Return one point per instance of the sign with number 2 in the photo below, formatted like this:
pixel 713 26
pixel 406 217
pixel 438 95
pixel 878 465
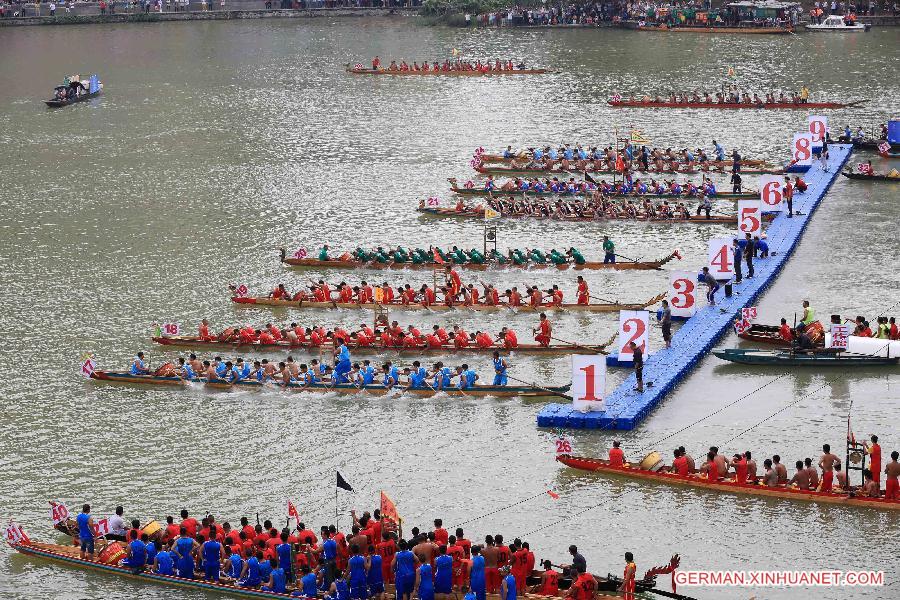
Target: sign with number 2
pixel 634 326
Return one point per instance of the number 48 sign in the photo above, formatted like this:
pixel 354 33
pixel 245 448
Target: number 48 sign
pixel 588 381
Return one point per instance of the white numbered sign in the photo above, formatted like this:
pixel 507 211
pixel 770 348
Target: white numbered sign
pixel 300 254
pixel 588 381
pixel 433 201
pixel 749 217
pixel 58 513
pixel 683 293
pixel 171 329
pixel 721 259
pixel 801 149
pixel 771 192
pixel 563 446
pixel 634 326
pixel 741 325
pixel 749 313
pixel 101 528
pixel 818 126
pixel 15 534
pixel 87 368
pixel 240 291
pixel 840 336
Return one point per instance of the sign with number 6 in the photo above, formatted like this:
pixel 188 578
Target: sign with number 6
pixel 683 293
pixel 634 326
pixel 588 381
pixel 771 192
pixel 818 128
pixel 749 217
pixel 721 258
pixel 801 149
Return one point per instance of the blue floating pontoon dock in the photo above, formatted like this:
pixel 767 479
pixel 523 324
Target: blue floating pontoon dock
pixel 625 408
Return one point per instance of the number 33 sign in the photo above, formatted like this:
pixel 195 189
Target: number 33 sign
pixel 588 381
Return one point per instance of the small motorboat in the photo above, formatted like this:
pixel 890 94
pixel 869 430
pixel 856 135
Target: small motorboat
pixel 803 358
pixel 837 23
pixel 74 91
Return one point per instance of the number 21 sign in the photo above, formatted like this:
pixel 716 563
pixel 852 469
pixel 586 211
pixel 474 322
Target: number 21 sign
pixel 588 381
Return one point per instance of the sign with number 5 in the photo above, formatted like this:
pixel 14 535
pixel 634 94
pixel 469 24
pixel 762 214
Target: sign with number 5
pixel 749 217
pixel 771 192
pixel 683 293
pixel 818 127
pixel 801 149
pixel 563 446
pixel 634 326
pixel 588 381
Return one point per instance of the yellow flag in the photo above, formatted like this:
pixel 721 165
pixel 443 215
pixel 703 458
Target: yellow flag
pixel 455 52
pixel 638 137
pixel 731 71
pixel 490 214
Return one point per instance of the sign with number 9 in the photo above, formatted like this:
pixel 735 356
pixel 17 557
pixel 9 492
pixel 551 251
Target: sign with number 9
pixel 818 127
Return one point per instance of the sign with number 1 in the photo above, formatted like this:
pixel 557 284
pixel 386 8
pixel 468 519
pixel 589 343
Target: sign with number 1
pixel 634 326
pixel 588 381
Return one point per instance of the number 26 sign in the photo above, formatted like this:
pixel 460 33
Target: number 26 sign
pixel 588 381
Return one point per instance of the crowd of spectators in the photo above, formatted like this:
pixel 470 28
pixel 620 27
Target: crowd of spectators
pixel 30 8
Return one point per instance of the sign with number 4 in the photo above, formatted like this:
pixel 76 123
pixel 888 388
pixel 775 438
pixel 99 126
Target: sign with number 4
pixel 588 381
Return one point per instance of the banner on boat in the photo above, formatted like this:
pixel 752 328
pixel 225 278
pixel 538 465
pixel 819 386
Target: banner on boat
pixel 101 527
pixel 490 214
pixel 589 382
pixel 563 445
pixel 15 534
pixel 87 366
pixel 683 293
pixel 771 192
pixel 818 128
pixel 721 259
pixel 300 254
pixel 59 512
pixel 802 150
pixel 634 326
pixel 749 217
pixel 240 291
pixel 840 336
pixel 171 329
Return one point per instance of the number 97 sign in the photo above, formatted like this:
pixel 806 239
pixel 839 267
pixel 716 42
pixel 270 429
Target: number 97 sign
pixel 588 382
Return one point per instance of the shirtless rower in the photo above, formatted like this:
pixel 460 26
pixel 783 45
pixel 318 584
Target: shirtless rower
pixel 800 478
pixel 779 468
pixel 827 462
pixel 491 573
pixel 870 486
pixel 891 481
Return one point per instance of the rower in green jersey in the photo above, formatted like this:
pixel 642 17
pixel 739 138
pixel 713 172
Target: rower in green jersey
pixel 517 257
pixel 538 257
pixel 500 258
pixel 476 256
pixel 323 253
pixel 577 257
pixel 400 255
pixel 419 257
pixel 556 258
pixel 361 255
pixel 381 256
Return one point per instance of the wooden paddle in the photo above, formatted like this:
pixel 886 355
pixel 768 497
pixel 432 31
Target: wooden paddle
pixel 588 348
pixel 603 299
pixel 549 391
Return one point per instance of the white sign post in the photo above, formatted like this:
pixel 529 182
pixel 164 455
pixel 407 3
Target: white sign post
pixel 588 382
pixel 801 149
pixel 749 217
pixel 771 193
pixel 171 329
pixel 59 513
pixel 818 128
pixel 721 259
pixel 683 293
pixel 840 336
pixel 563 446
pixel 634 326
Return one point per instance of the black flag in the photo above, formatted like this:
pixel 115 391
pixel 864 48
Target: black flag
pixel 588 178
pixel 342 483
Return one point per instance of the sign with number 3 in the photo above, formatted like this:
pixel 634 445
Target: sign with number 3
pixel 588 381
pixel 683 293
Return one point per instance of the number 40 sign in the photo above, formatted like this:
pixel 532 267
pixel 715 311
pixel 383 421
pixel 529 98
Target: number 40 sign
pixel 588 382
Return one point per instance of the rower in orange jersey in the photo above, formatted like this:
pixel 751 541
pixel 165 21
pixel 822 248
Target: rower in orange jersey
pixel 408 296
pixel 740 468
pixel 366 293
pixel 274 331
pixel 300 296
pixel 473 294
pixel 345 293
pixel 265 337
pixel 508 338
pixel 460 337
pixel 710 468
pixel 874 459
pixel 491 296
pixel 428 296
pixel 616 456
pixel 366 330
pixel 387 340
pixel 449 298
pixel 318 293
pixel 543 331
pixel 549 585
pixel 203 331
pixel 534 297
pixel 279 293
pixel 628 581
pixel 395 329
pixel 514 297
pixel 556 296
pixel 483 340
pixel 247 335
pixel 415 334
pixel 433 341
pixel 326 290
pixel 387 294
pixel 583 296
pixel 441 334
pixel 316 338
pixel 454 282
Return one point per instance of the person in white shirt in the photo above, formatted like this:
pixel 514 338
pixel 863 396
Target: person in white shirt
pixel 117 526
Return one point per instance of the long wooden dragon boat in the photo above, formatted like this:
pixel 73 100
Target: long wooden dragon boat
pixel 522 155
pixel 540 171
pixel 498 391
pixel 478 213
pixel 191 341
pixel 817 357
pixel 730 105
pixel 872 177
pixel 451 73
pixel 348 262
pixel 594 308
pixel 501 191
pixel 723 29
pixel 844 498
pixel 68 555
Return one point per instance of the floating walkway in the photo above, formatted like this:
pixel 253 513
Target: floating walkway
pixel 697 336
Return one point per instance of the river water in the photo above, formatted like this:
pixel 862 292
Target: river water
pixel 216 143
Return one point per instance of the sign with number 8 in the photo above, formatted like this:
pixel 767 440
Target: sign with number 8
pixel 801 149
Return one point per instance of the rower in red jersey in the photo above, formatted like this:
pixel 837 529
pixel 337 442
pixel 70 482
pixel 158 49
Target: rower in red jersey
pixel 345 293
pixel 544 331
pixel 279 293
pixel 785 331
pixel 519 564
pixel 473 294
pixel 549 585
pixel 455 552
pixel 395 329
pixel 874 452
pixel 616 456
pixel 247 335
pixel 387 294
pixel 503 554
pixel 556 295
pixel 316 338
pixel 415 334
pixel 454 282
pixel 534 297
pixel 300 296
pixel 441 334
pixel 367 331
pixel 491 296
pixel 433 341
pixel 326 290
pixel 301 333
pixel 318 294
pixel 203 331
pixel 740 468
pixel 680 465
pixel 483 339
pixel 408 296
pixel 274 331
pixel 449 298
pixel 441 537
pixel 387 340
pixel 386 549
pixel 583 295
pixel 627 587
pixel 508 338
pixel 366 293
pixel 514 297
pixel 460 337
pixel 376 63
pixel 463 543
pixel 265 337
pixel 428 296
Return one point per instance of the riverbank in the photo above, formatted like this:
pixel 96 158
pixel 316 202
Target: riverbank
pixel 85 18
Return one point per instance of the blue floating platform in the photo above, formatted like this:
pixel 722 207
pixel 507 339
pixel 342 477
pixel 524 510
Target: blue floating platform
pixel 697 336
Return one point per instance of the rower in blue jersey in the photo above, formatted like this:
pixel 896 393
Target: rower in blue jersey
pixel 265 569
pixel 568 154
pixel 443 572
pixel 211 551
pixel 138 366
pixel 508 153
pixel 641 187
pixel 692 190
pixel 442 376
pixel 688 155
pixel 137 553
pixel 425 583
pixel 368 373
pixel 500 367
pixel 524 185
pixel 308 583
pixel 250 577
pixel 540 186
pixel 277 581
pixel 152 551
pixel 283 551
pixel 720 151
pixel 710 188
pixel 508 586
pixel 164 564
pixel 582 155
pixel 184 548
pixel 489 184
pixel 357 578
pixel 598 154
pixel 219 366
pixel 404 567
pixel 235 565
pixel 417 376
pixel 340 590
pixel 467 377
pixel 676 189
pixel 375 577
pixel 243 368
pixel 342 363
pixel 184 369
pixel 538 154
pixel 477 574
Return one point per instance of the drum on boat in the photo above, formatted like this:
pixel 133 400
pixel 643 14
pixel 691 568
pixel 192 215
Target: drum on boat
pixel 153 530
pixel 652 462
pixel 165 370
pixel 112 553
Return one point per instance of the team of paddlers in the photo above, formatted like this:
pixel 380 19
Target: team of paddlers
pixel 630 186
pixel 449 65
pixel 456 256
pixel 597 207
pixel 731 97
pixel 742 468
pixel 355 565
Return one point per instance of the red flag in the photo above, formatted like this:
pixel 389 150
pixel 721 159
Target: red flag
pixel 389 511
pixel 553 494
pixel 292 511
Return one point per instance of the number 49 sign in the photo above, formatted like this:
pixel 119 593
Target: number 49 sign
pixel 588 382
